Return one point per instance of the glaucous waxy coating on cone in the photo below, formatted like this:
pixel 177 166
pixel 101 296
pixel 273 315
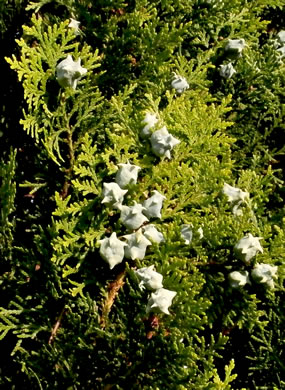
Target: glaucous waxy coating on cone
pixel 281 51
pixel 186 233
pixel 234 47
pixel 237 209
pixel 113 194
pixel 152 233
pixel 150 120
pixel 132 216
pixel 179 83
pixel 227 71
pixel 238 278
pixel 281 37
pixel 149 278
pixel 162 142
pixel 264 273
pixel 68 72
pixel 153 205
pixel 75 25
pixel 136 245
pixel 247 247
pixel 127 174
pixel 234 194
pixel 112 250
pixel 200 232
pixel 160 300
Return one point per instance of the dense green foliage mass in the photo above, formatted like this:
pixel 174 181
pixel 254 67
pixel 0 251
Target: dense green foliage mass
pixel 69 320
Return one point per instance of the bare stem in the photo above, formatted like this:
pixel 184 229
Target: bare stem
pixel 114 288
pixel 56 326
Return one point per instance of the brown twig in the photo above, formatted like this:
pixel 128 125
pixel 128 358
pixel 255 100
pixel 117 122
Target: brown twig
pixel 56 326
pixel 65 189
pixel 114 288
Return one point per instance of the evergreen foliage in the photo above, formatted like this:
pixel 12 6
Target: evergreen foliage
pixel 7 196
pixel 66 319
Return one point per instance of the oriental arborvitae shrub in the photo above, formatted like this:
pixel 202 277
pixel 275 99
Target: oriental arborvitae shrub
pixel 127 107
